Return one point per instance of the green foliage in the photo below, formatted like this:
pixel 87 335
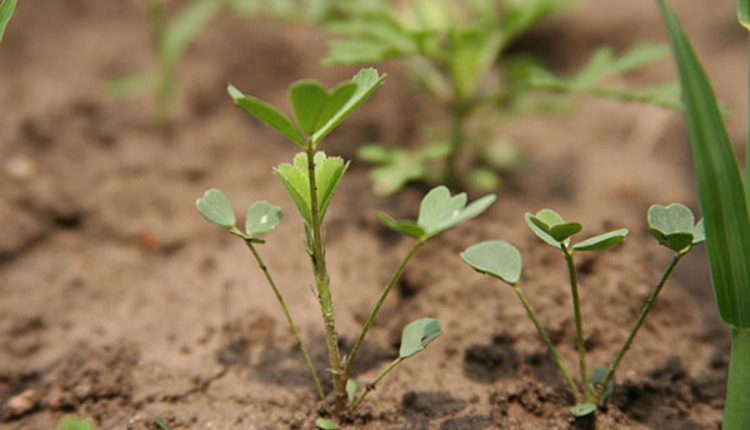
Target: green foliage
pixel 69 423
pixel 438 212
pixel 162 425
pixel 311 180
pixel 417 335
pixel 328 173
pixel 457 53
pixel 495 258
pixel 316 111
pixel 7 7
pixel 502 260
pixel 324 424
pixel 724 203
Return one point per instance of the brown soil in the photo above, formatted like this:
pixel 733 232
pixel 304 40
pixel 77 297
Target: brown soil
pixel 120 303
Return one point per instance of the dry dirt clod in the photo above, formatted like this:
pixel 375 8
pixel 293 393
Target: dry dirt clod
pixel 21 404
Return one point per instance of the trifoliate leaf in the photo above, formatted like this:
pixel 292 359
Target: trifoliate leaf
pixel 417 335
pixel 216 208
pixel 496 258
pixel 549 226
pixel 268 114
pixel 439 211
pixel 674 226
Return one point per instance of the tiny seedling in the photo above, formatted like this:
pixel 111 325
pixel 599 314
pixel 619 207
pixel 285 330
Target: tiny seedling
pixel 171 40
pixel 311 180
pixel 673 227
pixel 457 52
pixel 7 7
pixel 724 203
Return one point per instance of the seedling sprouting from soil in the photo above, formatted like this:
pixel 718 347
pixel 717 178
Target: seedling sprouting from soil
pixel 673 227
pixel 311 180
pixel 457 52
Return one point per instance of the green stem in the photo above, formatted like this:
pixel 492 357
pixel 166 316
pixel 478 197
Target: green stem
pixel 323 284
pixel 457 115
pixel 737 406
pixel 371 386
pixel 302 348
pixel 579 322
pixel 376 309
pixel 550 346
pixel 646 309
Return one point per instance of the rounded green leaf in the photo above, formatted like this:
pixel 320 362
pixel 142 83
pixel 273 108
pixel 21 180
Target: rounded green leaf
pixel 602 241
pixel 308 100
pixel 674 226
pixel 262 217
pixel 215 207
pixel 583 409
pixel 417 335
pixel 496 258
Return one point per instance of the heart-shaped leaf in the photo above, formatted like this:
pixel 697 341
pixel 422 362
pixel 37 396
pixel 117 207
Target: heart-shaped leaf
pixel 602 241
pixel 295 178
pixel 262 217
pixel 674 226
pixel 549 226
pixel 496 258
pixel 366 81
pixel 582 409
pixel 268 114
pixel 417 335
pixel 407 227
pixel 553 225
pixel 216 208
pixel 439 211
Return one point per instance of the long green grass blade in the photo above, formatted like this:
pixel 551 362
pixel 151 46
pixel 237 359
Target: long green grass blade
pixel 720 189
pixel 6 11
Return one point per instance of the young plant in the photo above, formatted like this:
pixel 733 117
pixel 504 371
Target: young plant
pixel 457 52
pixel 724 203
pixel 673 227
pixel 311 180
pixel 171 40
pixel 6 12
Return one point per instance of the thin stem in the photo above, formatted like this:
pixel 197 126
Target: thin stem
pixel 737 406
pixel 323 283
pixel 376 309
pixel 646 309
pixel 579 321
pixel 457 137
pixel 302 348
pixel 550 346
pixel 371 386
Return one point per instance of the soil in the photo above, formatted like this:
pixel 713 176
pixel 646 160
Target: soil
pixel 120 303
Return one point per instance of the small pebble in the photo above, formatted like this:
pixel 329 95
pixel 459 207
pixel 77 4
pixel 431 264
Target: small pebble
pixel 21 403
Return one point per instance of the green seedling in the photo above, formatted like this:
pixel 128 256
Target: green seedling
pixel 724 203
pixel 673 227
pixel 457 52
pixel 311 180
pixel 7 7
pixel 171 40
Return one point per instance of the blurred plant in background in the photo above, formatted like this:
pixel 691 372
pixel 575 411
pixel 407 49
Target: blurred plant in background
pixel 457 53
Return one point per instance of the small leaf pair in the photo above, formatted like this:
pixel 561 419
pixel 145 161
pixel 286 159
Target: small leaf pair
pixel 316 111
pixel 296 180
pixel 674 226
pixel 549 226
pixel 438 212
pixel 262 217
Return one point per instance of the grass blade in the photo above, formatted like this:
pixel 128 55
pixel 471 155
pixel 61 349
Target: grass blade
pixel 6 11
pixel 720 188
